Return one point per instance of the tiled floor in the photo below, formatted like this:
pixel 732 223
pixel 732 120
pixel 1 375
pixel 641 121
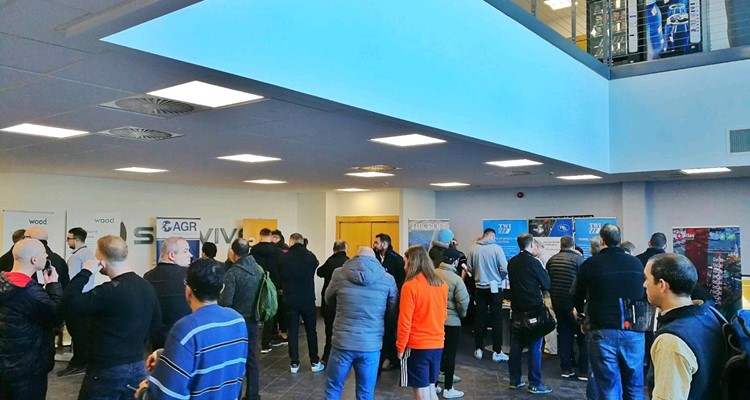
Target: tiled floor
pixel 480 379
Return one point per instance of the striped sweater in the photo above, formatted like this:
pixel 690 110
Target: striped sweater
pixel 204 357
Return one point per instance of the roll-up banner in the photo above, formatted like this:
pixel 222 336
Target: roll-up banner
pixel 53 222
pixel 187 228
pixel 507 230
pixel 421 231
pixel 587 229
pixel 548 231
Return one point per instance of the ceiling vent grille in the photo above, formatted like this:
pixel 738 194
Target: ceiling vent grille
pixel 739 141
pixel 375 168
pixel 141 134
pixel 156 106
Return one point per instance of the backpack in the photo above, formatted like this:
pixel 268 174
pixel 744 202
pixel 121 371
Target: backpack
pixel 735 379
pixel 267 303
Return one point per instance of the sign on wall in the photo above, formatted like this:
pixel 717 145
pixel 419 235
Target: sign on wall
pixel 587 229
pixel 52 222
pixel 507 230
pixel 421 231
pixel 715 252
pixel 188 228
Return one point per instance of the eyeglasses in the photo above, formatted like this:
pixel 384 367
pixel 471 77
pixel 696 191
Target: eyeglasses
pixel 70 238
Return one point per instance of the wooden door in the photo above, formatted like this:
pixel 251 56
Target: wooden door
pixel 361 231
pixel 251 228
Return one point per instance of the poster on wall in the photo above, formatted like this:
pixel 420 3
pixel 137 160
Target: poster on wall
pixel 188 228
pixel 96 224
pixel 586 229
pixel 673 28
pixel 421 230
pixel 549 231
pixel 715 252
pixel 52 222
pixel 507 230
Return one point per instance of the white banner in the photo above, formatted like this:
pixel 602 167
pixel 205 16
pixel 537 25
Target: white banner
pixel 96 224
pixel 53 223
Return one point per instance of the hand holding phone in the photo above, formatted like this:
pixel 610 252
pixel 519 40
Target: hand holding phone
pixel 49 273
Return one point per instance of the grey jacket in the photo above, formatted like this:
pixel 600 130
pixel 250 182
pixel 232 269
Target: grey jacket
pixel 486 261
pixel 364 296
pixel 241 284
pixel 458 296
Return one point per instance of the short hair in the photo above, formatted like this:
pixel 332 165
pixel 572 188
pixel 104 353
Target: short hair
pixel 339 245
pixel 489 230
pixel 209 249
pixel 596 245
pixel 629 247
pixel 78 233
pixel 610 234
pixel 170 245
pixel 567 242
pixel 675 269
pixel 265 232
pixel 384 237
pixel 113 248
pixel 206 279
pixel 524 240
pixel 278 233
pixel 18 235
pixel 295 238
pixel 240 247
pixel 658 239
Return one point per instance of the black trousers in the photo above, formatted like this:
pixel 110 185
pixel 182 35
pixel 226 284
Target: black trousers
pixel 252 372
pixel 494 301
pixel 79 333
pixel 448 359
pixel 273 326
pixel 309 317
pixel 329 314
pixel 26 388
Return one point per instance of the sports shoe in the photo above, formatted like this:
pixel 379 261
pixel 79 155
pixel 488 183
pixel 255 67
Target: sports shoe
pixel 452 393
pixel 517 385
pixel 539 389
pixel 70 371
pixel 265 350
pixel 438 389
pixel 294 368
pixel 441 378
pixel 582 377
pixel 499 357
pixel 317 367
pixel 478 354
pixel 279 342
pixel 568 374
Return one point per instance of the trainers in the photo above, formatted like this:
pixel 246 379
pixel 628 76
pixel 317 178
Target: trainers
pixel 583 377
pixel 265 350
pixel 452 393
pixel 568 374
pixel 539 389
pixel 71 370
pixel 499 357
pixel 441 378
pixel 317 367
pixel 294 368
pixel 478 354
pixel 438 389
pixel 279 342
pixel 517 385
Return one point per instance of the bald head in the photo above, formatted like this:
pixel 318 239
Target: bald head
pixel 37 232
pixel 29 256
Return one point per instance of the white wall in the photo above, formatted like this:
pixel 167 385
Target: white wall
pixel 368 203
pixel 142 202
pixel 415 204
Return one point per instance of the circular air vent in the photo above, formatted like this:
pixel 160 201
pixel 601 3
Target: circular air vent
pixel 154 105
pixel 136 133
pixel 375 168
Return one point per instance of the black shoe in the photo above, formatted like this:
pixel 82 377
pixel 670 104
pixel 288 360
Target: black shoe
pixel 70 371
pixel 279 342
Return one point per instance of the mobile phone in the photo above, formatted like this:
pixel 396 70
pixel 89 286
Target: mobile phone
pixel 47 267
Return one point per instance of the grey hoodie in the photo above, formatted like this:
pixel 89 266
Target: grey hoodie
pixel 486 261
pixel 364 296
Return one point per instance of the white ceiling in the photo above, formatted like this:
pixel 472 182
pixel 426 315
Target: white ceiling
pixel 55 71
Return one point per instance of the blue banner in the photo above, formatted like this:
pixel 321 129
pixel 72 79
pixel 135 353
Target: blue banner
pixel 507 231
pixel 587 229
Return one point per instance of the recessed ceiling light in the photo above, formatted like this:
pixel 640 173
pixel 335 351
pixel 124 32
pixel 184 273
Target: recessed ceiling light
pixel 513 163
pixel 414 139
pixel 579 177
pixel 205 94
pixel 141 170
pixel 353 190
pixel 370 174
pixel 266 182
pixel 41 130
pixel 558 4
pixel 251 158
pixel 691 171
pixel 449 184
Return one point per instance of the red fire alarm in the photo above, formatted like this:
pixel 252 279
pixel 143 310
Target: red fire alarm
pixel 519 195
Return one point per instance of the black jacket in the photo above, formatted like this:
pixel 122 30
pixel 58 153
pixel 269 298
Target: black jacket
pixel 394 265
pixel 168 281
pixel 336 260
pixel 27 317
pixel 59 263
pixel 297 270
pixel 266 254
pixel 527 279
pixel 562 269
pixel 650 252
pixel 6 261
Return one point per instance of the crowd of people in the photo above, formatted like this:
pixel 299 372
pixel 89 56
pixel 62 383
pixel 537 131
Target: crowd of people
pixel 189 327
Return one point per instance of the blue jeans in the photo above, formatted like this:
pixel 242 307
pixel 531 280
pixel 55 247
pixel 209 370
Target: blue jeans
pixel 518 340
pixel 365 372
pixel 616 361
pixel 112 383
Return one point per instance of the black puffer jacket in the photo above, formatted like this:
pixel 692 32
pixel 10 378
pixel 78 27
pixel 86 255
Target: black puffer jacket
pixel 27 316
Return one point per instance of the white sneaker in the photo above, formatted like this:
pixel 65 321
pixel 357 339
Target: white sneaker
pixel 478 354
pixel 317 367
pixel 294 368
pixel 452 393
pixel 499 357
pixel 438 389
